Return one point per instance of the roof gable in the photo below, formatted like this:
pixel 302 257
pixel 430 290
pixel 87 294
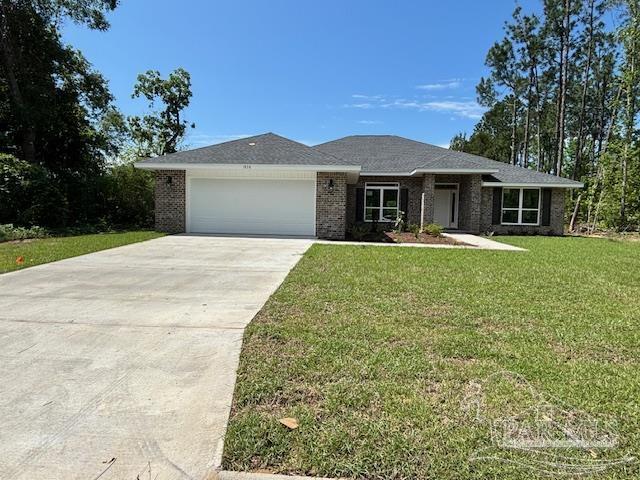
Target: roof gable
pixel 265 149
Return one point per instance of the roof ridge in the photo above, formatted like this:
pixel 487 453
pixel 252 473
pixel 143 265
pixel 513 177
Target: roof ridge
pixel 387 135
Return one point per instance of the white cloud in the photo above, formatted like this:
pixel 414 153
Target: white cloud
pixel 367 97
pixel 467 109
pixel 365 101
pixel 362 106
pixel 443 85
pixel 369 122
pixel 458 106
pixel 443 145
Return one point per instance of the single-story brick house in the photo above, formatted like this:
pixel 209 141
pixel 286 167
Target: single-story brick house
pixel 271 185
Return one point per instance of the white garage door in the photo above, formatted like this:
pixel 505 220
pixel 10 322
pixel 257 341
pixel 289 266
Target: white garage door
pixel 252 206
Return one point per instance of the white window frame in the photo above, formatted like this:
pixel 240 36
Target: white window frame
pixel 382 186
pixel 519 208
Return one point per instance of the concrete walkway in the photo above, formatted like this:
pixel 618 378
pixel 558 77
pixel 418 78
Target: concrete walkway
pixel 470 241
pixel 482 243
pixel 123 361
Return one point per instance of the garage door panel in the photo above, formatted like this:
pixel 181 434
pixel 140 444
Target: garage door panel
pixel 252 206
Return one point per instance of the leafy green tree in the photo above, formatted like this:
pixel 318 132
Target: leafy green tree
pixel 525 31
pixel 458 142
pixel 30 195
pixel 491 137
pixel 161 131
pixel 45 80
pixel 501 60
pixel 576 113
pixel 56 113
pixel 629 34
pixel 128 193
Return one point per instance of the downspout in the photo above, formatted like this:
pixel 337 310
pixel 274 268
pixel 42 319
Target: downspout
pixel 422 211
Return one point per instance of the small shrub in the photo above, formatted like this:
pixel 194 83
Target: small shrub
pixel 383 227
pixel 8 232
pixel 359 231
pixel 128 196
pixel 399 224
pixel 415 229
pixel 433 229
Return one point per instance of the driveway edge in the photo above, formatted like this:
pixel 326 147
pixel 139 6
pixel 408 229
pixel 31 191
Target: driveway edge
pixel 231 475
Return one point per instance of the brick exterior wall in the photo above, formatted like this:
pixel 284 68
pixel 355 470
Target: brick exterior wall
pixel 335 210
pixel 170 201
pixel 556 226
pixel 331 205
pixel 413 184
pixel 428 188
pixel 469 201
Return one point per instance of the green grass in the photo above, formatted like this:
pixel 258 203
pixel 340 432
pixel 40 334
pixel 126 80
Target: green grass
pixel 377 352
pixel 36 252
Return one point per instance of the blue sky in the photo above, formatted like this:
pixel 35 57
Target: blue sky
pixel 309 70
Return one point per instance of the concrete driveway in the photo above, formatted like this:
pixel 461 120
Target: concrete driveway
pixel 123 361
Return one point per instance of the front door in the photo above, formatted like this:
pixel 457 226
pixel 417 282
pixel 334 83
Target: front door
pixel 445 211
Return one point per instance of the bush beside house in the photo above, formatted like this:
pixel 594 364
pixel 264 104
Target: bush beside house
pixel 31 196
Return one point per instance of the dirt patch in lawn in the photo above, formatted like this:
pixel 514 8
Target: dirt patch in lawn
pixel 21 241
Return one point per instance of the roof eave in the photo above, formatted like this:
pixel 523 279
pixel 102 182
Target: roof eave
pixel 434 171
pixel 533 184
pixel 247 166
pixel 459 171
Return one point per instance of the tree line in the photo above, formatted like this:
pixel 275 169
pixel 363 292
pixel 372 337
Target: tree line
pixel 562 98
pixel 66 151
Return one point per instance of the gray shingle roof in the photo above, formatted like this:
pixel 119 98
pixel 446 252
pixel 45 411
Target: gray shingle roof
pixel 265 149
pixel 392 154
pixel 374 153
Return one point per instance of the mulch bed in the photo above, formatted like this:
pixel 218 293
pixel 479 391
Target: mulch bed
pixel 407 237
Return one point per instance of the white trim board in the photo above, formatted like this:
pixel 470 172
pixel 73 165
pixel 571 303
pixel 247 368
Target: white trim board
pixel 248 166
pixel 315 168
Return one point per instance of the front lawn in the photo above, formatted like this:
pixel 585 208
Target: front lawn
pixel 35 252
pixel 398 362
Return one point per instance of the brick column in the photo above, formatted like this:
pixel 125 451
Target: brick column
pixel 428 191
pixel 170 201
pixel 475 202
pixel 557 211
pixel 331 205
